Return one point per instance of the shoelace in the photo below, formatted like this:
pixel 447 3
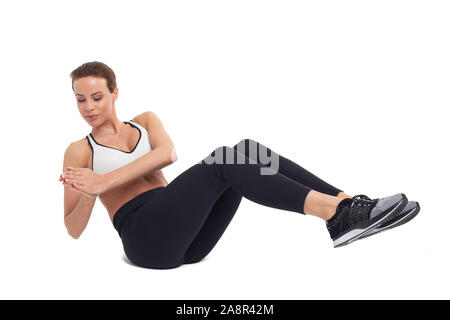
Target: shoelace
pixel 360 209
pixel 362 200
pixel 362 196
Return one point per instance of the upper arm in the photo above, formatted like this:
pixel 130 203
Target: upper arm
pixel 74 156
pixel 157 134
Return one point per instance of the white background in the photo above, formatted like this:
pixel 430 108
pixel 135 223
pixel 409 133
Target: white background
pixel 355 91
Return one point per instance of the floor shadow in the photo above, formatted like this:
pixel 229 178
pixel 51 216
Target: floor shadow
pixel 124 258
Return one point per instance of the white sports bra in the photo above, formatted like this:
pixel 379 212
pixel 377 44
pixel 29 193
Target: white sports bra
pixel 106 159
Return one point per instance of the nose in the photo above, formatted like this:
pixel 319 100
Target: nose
pixel 89 107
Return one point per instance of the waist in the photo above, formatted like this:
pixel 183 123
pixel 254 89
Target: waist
pixel 126 209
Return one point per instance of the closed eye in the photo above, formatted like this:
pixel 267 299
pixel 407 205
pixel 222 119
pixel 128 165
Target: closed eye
pixel 94 100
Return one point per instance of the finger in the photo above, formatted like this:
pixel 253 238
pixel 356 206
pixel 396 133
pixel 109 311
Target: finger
pixel 81 189
pixel 80 186
pixel 72 176
pixel 76 187
pixel 72 187
pixel 70 181
pixel 78 182
pixel 74 172
pixel 72 169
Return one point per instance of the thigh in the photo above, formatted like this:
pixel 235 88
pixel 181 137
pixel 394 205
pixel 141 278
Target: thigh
pixel 215 225
pixel 162 229
pixel 254 150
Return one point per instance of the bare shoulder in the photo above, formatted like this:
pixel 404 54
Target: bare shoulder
pixel 146 118
pixel 157 133
pixel 78 154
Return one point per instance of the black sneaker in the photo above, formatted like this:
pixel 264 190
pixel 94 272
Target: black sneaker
pixel 408 213
pixel 358 215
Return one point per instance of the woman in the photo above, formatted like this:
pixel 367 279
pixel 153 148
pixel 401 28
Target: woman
pixel 163 225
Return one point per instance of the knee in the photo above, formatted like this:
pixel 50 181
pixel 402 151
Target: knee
pixel 244 142
pixel 222 148
pixel 248 147
pixel 221 151
pixel 243 145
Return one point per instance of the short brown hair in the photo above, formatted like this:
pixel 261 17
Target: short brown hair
pixel 96 69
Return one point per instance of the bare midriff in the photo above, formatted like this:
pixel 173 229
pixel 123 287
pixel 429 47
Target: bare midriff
pixel 114 198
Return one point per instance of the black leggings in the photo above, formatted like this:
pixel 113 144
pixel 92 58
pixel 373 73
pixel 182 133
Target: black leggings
pixel 181 223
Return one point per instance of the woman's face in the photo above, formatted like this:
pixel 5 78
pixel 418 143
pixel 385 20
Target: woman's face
pixel 94 99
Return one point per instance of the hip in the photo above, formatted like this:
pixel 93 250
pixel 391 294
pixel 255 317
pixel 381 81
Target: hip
pixel 128 208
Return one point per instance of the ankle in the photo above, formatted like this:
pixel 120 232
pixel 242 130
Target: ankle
pixel 321 205
pixel 329 211
pixel 326 210
pixel 334 208
pixel 343 195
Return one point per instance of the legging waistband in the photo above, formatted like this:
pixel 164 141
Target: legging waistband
pixel 123 212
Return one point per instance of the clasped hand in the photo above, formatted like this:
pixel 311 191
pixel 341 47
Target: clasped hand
pixel 84 180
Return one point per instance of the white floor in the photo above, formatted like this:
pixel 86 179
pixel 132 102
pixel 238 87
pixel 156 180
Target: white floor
pixel 264 254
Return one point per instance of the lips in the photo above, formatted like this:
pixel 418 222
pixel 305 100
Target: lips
pixel 93 117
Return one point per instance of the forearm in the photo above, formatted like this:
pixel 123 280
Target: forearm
pixel 156 159
pixel 77 220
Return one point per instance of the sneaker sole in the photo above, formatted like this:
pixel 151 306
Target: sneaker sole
pixel 408 217
pixel 354 234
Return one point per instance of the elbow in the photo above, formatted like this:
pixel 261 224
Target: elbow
pixel 173 155
pixel 74 235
